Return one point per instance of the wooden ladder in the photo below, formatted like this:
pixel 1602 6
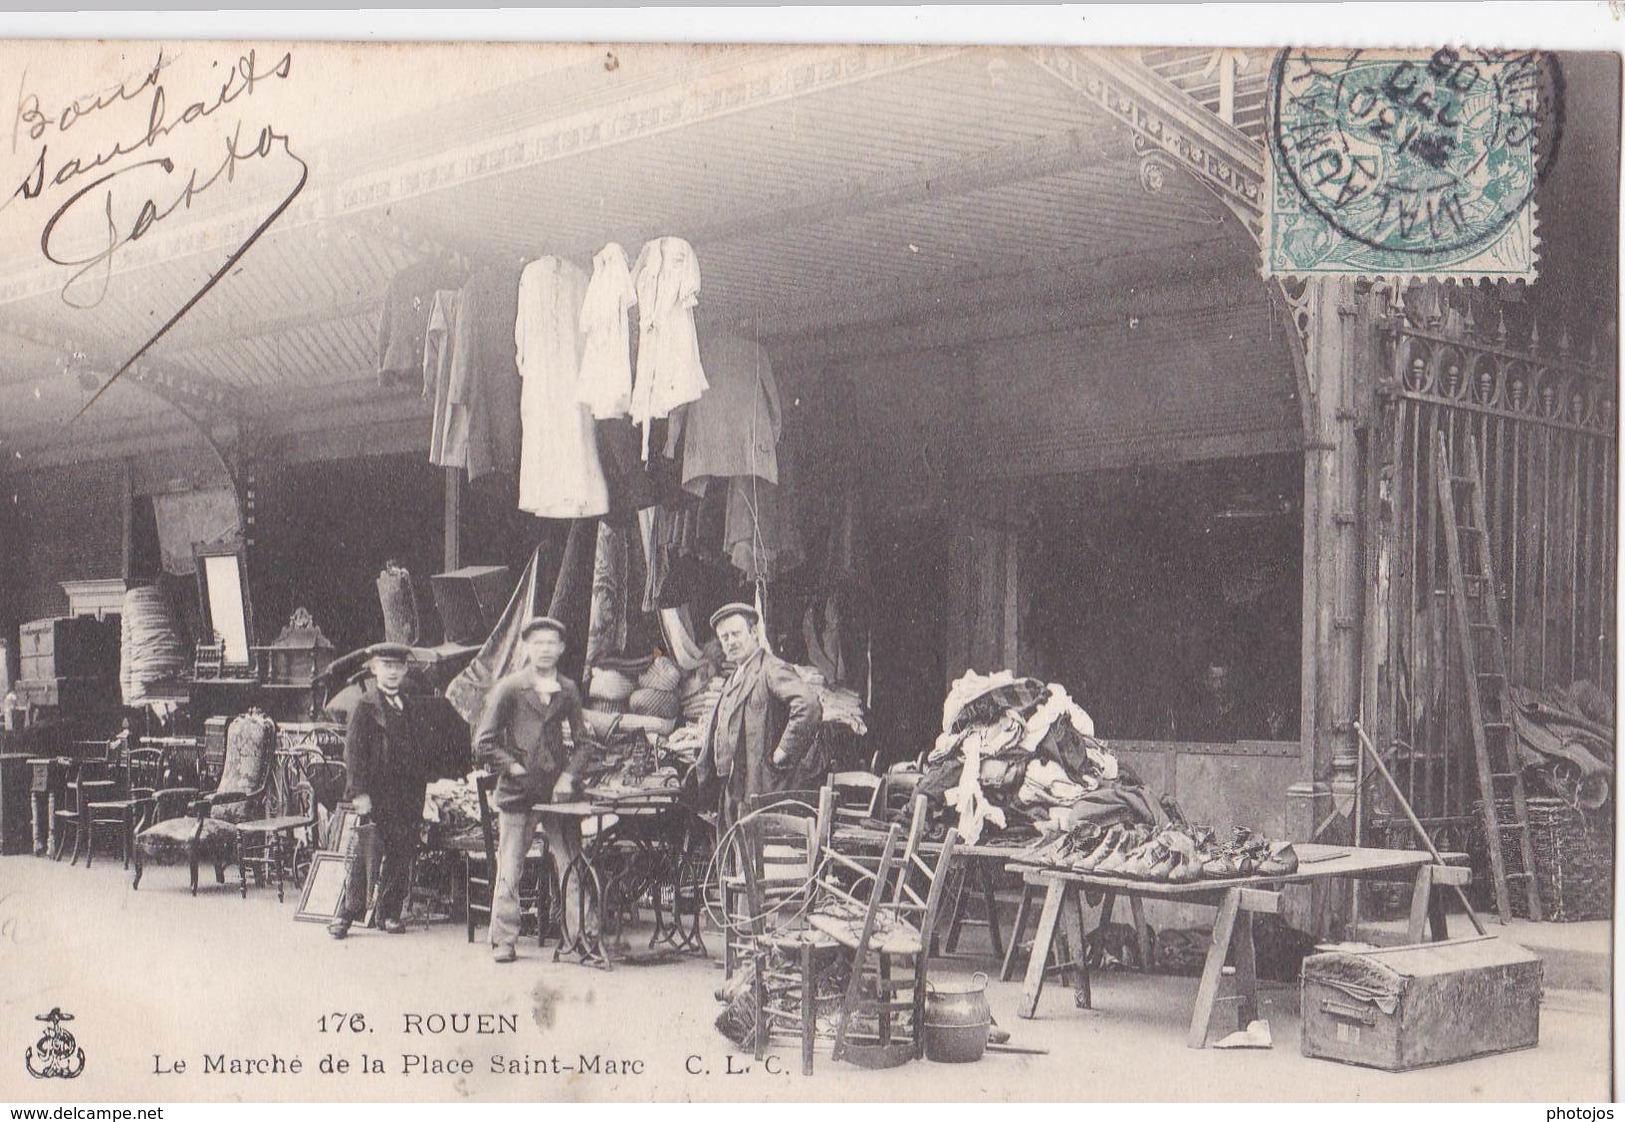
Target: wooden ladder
pixel 1489 701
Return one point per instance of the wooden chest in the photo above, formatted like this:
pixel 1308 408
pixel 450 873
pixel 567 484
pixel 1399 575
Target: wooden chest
pixel 1399 1008
pixel 70 695
pixel 73 647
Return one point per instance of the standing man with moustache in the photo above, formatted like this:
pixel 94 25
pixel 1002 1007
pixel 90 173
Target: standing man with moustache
pixel 764 723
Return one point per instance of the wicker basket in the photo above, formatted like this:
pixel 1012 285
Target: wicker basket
pixel 1574 860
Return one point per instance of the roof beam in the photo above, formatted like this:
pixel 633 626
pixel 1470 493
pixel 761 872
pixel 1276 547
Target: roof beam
pixel 1165 118
pixel 196 395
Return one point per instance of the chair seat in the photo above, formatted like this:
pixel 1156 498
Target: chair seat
pixel 798 934
pixel 272 825
pixel 170 841
pixel 897 937
pixel 116 804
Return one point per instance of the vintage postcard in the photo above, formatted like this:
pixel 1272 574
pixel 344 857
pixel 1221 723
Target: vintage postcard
pixel 832 571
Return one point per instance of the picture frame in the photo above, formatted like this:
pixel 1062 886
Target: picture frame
pixel 325 883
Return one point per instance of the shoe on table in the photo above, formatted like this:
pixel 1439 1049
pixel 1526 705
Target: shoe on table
pixel 339 929
pixel 393 927
pixel 504 953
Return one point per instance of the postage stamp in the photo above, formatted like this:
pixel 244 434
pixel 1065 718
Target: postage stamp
pixel 1408 163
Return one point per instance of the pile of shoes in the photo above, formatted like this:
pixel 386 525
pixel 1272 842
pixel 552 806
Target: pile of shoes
pixel 1173 854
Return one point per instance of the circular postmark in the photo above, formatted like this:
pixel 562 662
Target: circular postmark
pixel 1414 152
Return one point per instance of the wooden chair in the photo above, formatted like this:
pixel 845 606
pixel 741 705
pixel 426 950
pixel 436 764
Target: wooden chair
pixel 144 774
pixel 856 797
pixel 786 947
pixel 209 831
pixel 780 854
pixel 890 950
pixel 896 792
pixel 171 804
pixel 88 782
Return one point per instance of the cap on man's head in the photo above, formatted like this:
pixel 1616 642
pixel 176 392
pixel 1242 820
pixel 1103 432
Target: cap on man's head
pixel 542 623
pixel 394 652
pixel 728 611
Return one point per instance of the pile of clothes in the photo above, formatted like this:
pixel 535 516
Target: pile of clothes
pixel 1174 853
pixel 1017 751
pixel 1566 739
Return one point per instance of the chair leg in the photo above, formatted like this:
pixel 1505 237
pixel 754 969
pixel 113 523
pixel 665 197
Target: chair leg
pixel 193 864
pixel 242 866
pixel 135 884
pixel 759 997
pixel 89 830
pixel 808 1008
pixel 126 834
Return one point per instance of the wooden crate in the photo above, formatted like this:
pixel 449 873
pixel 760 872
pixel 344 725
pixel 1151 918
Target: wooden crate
pixel 70 647
pixel 71 695
pixel 1398 1008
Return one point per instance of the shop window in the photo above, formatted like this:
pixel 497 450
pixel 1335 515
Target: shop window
pixel 1168 599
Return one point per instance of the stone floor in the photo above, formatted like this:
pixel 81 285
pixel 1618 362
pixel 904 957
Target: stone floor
pixel 155 978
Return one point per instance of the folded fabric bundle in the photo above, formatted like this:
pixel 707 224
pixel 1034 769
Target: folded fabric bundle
pixel 609 684
pixel 654 703
pixel 662 674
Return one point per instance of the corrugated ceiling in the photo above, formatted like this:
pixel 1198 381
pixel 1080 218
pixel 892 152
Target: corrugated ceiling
pixel 868 198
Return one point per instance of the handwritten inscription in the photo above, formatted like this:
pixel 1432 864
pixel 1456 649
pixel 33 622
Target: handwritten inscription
pixel 102 174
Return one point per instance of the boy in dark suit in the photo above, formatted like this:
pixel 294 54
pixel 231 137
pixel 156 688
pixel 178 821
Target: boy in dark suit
pixel 388 767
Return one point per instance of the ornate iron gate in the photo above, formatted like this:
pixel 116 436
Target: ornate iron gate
pixel 1545 421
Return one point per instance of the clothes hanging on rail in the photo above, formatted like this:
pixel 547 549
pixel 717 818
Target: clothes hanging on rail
pixel 448 438
pixel 606 351
pixel 485 370
pixel 733 430
pixel 404 319
pixel 559 472
pixel 666 277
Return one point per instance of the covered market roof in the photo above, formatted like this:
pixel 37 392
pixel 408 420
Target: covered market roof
pixel 824 189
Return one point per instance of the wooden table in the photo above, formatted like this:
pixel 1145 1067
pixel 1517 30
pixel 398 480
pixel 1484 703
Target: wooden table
pixel 1237 901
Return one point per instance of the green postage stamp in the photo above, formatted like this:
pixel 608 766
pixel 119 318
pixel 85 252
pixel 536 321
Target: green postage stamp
pixel 1408 163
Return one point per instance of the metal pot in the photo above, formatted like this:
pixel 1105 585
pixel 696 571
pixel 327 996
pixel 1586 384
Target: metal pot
pixel 956 1021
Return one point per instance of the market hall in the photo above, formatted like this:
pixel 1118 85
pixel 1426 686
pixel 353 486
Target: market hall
pixel 951 370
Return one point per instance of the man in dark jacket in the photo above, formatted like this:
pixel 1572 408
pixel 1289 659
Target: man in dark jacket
pixel 521 739
pixel 388 766
pixel 764 723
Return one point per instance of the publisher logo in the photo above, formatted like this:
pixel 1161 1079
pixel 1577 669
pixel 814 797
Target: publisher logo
pixel 55 1055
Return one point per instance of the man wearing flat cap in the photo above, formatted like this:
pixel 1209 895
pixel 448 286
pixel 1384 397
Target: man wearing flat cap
pixel 521 740
pixel 765 720
pixel 388 765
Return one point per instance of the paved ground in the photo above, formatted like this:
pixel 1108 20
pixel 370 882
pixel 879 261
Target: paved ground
pixel 155 978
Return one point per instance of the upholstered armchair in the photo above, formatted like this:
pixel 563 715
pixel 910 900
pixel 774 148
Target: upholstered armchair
pixel 206 830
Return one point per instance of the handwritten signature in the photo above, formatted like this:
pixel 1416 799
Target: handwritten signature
pixel 137 184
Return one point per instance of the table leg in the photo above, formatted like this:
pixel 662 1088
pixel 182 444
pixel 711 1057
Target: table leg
pixel 1438 921
pixel 41 819
pixel 1246 970
pixel 1207 992
pixel 1023 909
pixel 1043 939
pixel 1097 945
pixel 961 900
pixel 988 874
pixel 1072 916
pixel 1142 933
pixel 1421 896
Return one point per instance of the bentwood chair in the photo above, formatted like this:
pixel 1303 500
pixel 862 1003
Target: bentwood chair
pixel 88 782
pixel 144 774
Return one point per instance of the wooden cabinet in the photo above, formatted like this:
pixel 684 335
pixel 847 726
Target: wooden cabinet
pixel 16 810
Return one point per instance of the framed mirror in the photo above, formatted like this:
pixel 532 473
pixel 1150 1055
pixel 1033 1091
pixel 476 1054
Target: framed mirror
pixel 222 578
